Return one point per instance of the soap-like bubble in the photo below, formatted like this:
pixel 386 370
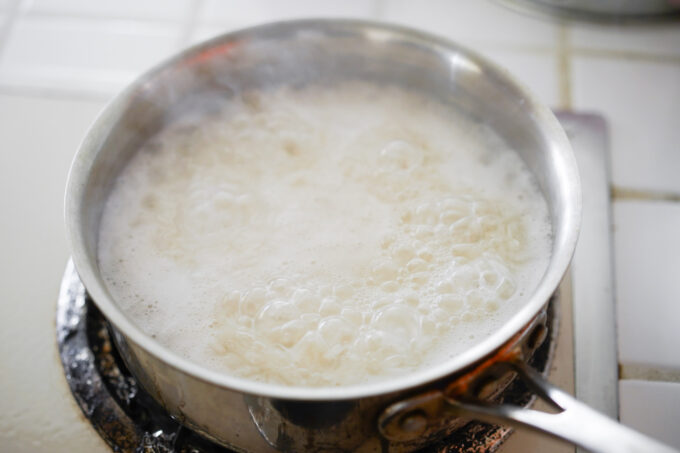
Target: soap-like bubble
pixel 309 237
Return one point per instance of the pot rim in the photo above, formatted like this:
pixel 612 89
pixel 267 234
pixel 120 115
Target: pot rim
pixel 559 262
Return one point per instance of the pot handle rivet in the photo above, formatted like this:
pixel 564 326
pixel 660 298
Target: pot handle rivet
pixel 414 423
pixel 409 419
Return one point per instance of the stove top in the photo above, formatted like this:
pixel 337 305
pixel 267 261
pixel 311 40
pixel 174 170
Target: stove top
pixel 129 420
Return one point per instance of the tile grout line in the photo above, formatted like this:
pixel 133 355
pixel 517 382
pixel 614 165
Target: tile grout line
pixel 55 93
pixel 98 18
pixel 563 57
pixel 626 55
pixel 648 373
pixel 625 193
pixel 190 23
pixel 520 48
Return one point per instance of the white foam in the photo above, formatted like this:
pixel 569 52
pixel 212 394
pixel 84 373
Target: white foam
pixel 323 237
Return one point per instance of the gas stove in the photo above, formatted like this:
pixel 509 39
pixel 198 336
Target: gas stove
pixel 579 354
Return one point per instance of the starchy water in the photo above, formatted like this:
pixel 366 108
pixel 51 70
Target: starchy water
pixel 324 237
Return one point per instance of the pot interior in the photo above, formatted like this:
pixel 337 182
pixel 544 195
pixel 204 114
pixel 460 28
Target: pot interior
pixel 323 53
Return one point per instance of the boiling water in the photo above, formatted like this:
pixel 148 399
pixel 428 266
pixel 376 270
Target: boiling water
pixel 323 237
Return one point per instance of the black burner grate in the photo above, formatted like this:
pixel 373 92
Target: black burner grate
pixel 129 420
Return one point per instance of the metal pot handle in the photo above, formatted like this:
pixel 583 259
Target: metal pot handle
pixel 573 421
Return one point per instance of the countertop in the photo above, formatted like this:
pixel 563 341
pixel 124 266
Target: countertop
pixel 62 60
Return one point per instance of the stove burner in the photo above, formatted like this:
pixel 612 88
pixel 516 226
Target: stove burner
pixel 129 420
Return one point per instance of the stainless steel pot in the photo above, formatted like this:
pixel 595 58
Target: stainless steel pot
pixel 402 413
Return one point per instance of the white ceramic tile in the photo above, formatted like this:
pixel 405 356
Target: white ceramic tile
pixel 537 71
pixel 37 143
pixel 248 12
pixel 83 54
pixel 641 100
pixel 125 9
pixel 652 408
pixel 647 266
pixel 472 22
pixel 655 40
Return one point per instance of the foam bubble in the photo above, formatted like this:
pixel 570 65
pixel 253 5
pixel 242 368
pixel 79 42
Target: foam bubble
pixel 309 237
